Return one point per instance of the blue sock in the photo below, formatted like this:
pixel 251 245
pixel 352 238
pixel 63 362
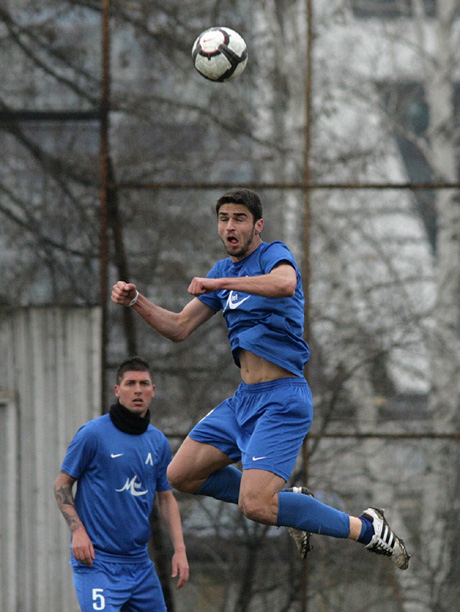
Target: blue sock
pixel 308 514
pixel 223 484
pixel 367 530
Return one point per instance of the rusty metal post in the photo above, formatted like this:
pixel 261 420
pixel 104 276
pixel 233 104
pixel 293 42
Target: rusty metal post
pixel 306 237
pixel 306 165
pixel 104 188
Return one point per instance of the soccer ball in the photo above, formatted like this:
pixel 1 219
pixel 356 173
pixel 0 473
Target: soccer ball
pixel 219 54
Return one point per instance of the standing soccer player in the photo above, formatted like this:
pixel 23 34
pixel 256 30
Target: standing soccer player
pixel 119 461
pixel 259 289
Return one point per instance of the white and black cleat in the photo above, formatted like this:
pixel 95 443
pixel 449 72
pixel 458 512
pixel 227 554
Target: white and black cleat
pixel 385 541
pixel 301 538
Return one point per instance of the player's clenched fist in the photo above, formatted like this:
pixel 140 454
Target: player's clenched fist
pixel 123 293
pixel 200 286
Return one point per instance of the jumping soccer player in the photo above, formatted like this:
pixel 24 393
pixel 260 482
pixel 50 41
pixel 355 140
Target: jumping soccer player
pixel 259 289
pixel 120 461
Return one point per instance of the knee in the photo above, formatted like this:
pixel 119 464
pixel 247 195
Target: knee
pixel 255 509
pixel 179 480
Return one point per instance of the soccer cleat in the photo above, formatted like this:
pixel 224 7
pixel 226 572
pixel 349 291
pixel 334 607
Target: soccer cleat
pixel 385 541
pixel 301 538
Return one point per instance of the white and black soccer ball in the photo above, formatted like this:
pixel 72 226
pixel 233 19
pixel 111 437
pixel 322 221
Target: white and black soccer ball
pixel 219 54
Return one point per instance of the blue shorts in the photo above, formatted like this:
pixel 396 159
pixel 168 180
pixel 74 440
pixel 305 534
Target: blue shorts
pixel 263 425
pixel 118 587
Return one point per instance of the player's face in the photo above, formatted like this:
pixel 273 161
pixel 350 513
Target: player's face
pixel 238 231
pixel 135 392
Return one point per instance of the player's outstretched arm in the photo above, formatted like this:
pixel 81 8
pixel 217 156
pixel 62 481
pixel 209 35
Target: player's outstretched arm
pixel 280 282
pixel 82 547
pixel 172 325
pixel 170 515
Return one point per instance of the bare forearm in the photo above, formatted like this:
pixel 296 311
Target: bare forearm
pixel 65 501
pixel 82 547
pixel 266 285
pixel 170 515
pixel 165 322
pixel 172 325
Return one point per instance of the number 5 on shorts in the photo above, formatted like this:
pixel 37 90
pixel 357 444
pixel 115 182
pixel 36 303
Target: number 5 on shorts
pixel 98 599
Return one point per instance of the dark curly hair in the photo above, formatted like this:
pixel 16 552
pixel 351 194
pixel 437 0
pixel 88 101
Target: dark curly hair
pixel 246 197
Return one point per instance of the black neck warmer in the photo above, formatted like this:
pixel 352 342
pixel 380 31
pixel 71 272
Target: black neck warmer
pixel 127 421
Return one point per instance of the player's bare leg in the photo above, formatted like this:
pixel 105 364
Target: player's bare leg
pixel 193 463
pixel 259 495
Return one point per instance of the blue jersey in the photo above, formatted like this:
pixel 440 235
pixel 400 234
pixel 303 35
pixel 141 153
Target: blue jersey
pixel 269 327
pixel 118 474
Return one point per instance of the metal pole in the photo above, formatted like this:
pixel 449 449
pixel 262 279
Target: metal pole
pixel 104 188
pixel 256 186
pixel 306 167
pixel 307 223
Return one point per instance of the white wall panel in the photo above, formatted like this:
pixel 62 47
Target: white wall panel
pixel 50 384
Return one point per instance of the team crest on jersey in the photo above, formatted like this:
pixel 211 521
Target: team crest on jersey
pixel 133 486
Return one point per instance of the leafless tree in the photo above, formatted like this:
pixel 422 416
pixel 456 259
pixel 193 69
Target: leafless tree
pixel 383 277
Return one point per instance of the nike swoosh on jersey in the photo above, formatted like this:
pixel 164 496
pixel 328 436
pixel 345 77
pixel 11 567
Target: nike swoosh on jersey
pixel 233 305
pixel 258 458
pixel 115 455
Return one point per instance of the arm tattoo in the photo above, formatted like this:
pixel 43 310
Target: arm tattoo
pixel 72 521
pixel 64 498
